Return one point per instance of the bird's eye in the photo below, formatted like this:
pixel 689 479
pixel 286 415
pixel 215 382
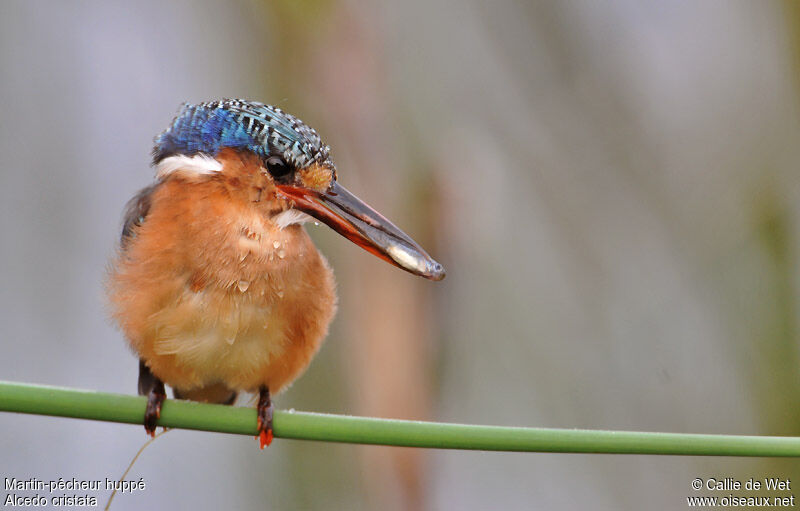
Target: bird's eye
pixel 277 167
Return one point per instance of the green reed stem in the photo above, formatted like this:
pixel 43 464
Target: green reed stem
pixel 82 404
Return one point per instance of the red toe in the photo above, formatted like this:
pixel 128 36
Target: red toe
pixel 265 437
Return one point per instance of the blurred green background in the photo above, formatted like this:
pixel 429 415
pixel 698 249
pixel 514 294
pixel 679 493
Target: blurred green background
pixel 613 188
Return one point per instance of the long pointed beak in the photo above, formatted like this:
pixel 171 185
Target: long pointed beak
pixel 355 220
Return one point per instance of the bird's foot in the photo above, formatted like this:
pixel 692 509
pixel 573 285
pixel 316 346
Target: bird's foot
pixel 264 411
pixel 155 398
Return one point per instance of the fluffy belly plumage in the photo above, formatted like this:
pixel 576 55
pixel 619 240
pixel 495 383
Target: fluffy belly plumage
pixel 245 313
pixel 243 336
pixel 225 338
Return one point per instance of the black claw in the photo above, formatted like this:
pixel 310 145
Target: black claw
pixel 153 388
pixel 153 412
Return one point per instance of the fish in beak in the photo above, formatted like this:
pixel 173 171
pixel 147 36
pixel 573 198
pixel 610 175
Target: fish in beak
pixel 355 220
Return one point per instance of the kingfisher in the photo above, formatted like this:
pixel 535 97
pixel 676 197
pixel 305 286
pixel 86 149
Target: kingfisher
pixel 216 285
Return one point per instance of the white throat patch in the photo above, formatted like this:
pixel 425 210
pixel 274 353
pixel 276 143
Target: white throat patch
pixel 197 164
pixel 290 217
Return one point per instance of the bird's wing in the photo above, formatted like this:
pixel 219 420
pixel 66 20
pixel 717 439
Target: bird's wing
pixel 135 212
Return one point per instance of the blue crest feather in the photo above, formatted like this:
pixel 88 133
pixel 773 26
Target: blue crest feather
pixel 262 129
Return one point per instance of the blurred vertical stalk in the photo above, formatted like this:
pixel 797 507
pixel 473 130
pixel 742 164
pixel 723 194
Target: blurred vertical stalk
pixel 385 324
pixel 337 69
pixel 779 329
pixel 781 380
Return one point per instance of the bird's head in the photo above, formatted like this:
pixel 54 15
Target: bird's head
pixel 294 168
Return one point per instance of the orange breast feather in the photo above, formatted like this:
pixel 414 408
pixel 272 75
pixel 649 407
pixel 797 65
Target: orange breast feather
pixel 208 291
